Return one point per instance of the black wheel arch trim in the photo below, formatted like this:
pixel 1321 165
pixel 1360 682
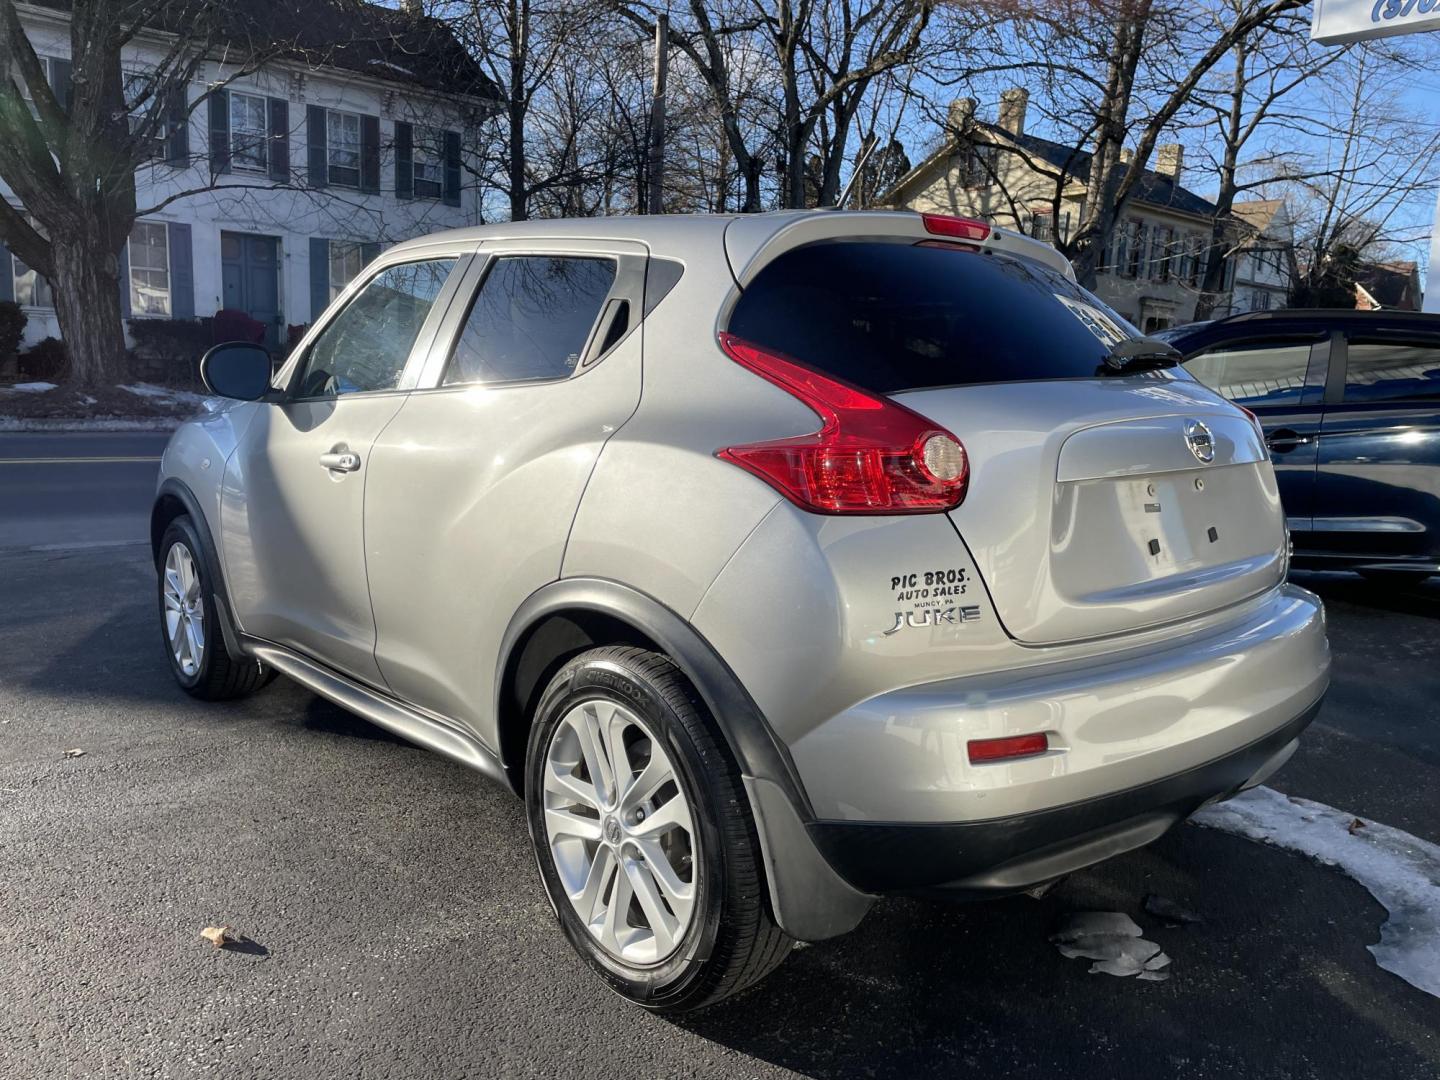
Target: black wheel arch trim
pixel 758 751
pixel 808 899
pixel 180 491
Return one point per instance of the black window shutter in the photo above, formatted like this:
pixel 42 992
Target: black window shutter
pixel 177 127
pixel 404 160
pixel 280 140
pixel 7 275
pixel 370 153
pixel 319 276
pixel 60 82
pixel 125 309
pixel 452 168
pixel 220 131
pixel 317 147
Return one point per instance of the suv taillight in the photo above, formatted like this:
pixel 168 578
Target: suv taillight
pixel 870 456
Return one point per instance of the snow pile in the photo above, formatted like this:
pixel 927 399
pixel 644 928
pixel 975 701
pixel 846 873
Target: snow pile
pixel 164 394
pixel 1113 940
pixel 31 387
pixel 1400 870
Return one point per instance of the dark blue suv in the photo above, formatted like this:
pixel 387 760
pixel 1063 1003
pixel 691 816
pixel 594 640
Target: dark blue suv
pixel 1350 403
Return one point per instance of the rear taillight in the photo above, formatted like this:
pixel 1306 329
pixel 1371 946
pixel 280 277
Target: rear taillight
pixel 1007 749
pixel 870 456
pixel 958 227
pixel 1255 420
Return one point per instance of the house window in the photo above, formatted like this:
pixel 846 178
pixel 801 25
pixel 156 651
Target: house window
pixel 976 165
pixel 249 132
pixel 342 140
pixel 346 261
pixel 1134 264
pixel 429 163
pixel 150 269
pixel 31 290
pixel 1160 241
pixel 25 93
pixel 140 103
pixel 1199 254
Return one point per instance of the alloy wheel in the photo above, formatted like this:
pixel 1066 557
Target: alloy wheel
pixel 184 610
pixel 621 832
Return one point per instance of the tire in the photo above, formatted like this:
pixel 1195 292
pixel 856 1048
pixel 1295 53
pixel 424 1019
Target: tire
pixel 214 676
pixel 726 940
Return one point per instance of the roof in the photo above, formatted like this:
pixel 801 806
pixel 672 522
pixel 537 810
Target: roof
pixel 1257 213
pixel 1195 336
pixel 743 238
pixel 1153 188
pixel 382 42
pixel 1391 285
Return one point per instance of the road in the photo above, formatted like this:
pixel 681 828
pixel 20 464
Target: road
pixel 77 488
pixel 399 930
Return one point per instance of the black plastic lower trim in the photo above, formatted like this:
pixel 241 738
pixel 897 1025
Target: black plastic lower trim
pixel 1005 855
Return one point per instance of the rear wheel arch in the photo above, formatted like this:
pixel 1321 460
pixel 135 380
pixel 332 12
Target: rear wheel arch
pixel 567 617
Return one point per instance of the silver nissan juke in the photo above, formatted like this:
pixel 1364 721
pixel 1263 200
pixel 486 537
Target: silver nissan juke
pixel 780 562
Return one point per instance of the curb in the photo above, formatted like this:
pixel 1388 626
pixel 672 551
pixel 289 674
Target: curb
pixel 22 425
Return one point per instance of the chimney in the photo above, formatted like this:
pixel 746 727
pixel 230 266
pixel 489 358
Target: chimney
pixel 1169 160
pixel 961 116
pixel 1012 109
pixel 413 8
pixel 1127 155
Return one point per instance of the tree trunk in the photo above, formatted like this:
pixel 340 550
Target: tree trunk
pixel 86 285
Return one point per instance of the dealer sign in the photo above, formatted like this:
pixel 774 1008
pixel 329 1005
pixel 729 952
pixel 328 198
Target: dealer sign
pixel 1337 21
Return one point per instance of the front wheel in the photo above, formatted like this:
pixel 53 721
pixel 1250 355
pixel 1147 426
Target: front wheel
pixel 190 624
pixel 643 834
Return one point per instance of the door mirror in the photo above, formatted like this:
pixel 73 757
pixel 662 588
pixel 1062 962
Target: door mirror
pixel 237 369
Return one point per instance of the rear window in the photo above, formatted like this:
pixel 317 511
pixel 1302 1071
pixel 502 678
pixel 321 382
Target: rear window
pixel 895 316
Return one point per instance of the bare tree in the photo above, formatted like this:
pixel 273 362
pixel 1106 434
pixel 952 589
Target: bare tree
pixel 1365 193
pixel 70 147
pixel 1110 78
pixel 1254 129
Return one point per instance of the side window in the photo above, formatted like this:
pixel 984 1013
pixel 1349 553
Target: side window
pixel 1259 373
pixel 365 347
pixel 530 319
pixel 1392 371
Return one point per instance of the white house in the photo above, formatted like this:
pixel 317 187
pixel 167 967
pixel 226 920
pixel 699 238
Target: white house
pixel 1264 257
pixel 314 167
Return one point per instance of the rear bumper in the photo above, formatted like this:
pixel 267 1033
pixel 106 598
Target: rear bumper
pixel 1010 854
pixel 1116 720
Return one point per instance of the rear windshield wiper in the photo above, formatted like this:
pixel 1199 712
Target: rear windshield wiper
pixel 1139 354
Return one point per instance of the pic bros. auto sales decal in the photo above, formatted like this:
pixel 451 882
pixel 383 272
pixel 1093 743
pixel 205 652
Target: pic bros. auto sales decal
pixel 930 598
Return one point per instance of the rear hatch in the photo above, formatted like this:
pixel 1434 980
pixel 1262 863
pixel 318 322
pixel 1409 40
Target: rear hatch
pixel 1097 504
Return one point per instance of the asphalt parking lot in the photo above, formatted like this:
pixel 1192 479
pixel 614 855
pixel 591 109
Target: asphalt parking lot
pixel 397 929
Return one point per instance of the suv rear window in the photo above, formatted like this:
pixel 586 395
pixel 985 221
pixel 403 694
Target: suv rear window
pixel 895 316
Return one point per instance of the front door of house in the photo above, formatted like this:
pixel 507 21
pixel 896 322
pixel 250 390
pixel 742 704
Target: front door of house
pixel 250 270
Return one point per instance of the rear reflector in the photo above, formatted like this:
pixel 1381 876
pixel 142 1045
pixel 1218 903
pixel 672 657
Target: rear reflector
pixel 958 227
pixel 870 456
pixel 1006 749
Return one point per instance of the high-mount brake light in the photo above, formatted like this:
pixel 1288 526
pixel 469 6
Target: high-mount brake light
pixel 870 456
pixel 958 227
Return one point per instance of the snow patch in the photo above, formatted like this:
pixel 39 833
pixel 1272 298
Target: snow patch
pixel 31 387
pixel 1401 871
pixel 164 394
pixel 1113 940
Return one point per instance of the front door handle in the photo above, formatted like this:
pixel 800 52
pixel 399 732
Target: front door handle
pixel 340 461
pixel 1284 440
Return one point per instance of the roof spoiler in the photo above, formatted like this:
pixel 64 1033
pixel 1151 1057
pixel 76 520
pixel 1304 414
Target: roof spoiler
pixel 752 241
